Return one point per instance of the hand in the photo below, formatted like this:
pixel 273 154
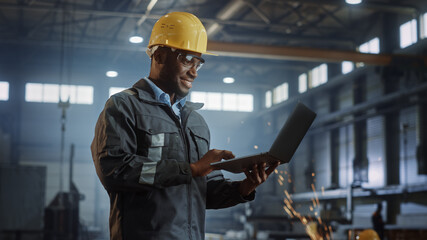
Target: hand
pixel 255 177
pixel 203 166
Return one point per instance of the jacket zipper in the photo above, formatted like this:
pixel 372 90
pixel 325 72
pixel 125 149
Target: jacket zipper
pixel 182 124
pixel 189 199
pixel 187 156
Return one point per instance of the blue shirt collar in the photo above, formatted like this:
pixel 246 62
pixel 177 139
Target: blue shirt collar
pixel 163 97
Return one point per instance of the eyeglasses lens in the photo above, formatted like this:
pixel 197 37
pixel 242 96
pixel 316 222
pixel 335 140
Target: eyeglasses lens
pixel 190 60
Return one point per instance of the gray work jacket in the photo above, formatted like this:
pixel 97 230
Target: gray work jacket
pixel 142 154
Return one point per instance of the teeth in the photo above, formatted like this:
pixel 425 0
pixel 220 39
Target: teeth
pixel 187 83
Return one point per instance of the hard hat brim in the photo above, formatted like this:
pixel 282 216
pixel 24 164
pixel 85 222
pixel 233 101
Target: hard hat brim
pixel 212 54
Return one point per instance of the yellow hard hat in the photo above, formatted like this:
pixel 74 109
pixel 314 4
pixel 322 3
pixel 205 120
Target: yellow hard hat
pixel 180 30
pixel 368 234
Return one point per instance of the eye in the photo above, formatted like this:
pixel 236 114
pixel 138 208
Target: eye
pixel 189 58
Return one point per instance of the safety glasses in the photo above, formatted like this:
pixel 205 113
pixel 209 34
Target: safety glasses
pixel 189 60
pixel 186 59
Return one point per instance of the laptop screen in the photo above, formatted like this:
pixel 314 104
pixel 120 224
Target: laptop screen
pixel 295 127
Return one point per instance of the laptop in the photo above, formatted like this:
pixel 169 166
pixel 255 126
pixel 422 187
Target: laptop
pixel 283 147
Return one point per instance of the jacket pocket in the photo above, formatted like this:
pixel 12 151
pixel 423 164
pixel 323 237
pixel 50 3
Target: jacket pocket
pixel 200 135
pixel 154 137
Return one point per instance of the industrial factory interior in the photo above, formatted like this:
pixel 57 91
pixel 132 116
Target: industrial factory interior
pixel 360 65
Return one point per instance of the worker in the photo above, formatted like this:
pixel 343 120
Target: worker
pixel 151 147
pixel 377 221
pixel 368 234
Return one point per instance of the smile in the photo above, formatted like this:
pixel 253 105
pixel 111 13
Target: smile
pixel 187 83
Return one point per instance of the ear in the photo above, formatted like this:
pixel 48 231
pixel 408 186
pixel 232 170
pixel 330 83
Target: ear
pixel 160 56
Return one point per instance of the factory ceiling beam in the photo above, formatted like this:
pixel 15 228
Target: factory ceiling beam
pixel 224 14
pixel 259 52
pixel 378 6
pixel 315 25
pixel 138 16
pixel 282 38
pixel 332 15
pixel 294 53
pixel 258 12
pixel 150 6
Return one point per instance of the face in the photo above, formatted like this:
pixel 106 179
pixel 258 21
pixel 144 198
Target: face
pixel 178 72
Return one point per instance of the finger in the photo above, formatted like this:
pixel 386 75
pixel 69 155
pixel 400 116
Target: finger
pixel 262 174
pixel 249 176
pixel 255 173
pixel 261 167
pixel 227 154
pixel 213 155
pixel 271 168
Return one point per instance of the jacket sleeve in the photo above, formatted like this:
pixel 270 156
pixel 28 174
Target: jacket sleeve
pixel 114 150
pixel 222 193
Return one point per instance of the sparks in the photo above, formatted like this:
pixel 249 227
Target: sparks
pixel 312 224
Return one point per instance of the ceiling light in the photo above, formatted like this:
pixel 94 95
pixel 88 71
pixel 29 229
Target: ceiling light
pixel 228 80
pixel 136 39
pixel 353 1
pixel 111 74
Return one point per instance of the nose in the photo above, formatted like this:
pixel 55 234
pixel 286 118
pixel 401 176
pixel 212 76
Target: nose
pixel 193 71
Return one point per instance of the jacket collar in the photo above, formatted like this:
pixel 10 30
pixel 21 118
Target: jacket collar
pixel 146 93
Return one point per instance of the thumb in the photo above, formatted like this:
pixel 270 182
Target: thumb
pixel 227 154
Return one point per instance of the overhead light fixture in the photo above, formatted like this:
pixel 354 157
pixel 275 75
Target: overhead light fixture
pixel 111 74
pixel 136 39
pixel 353 2
pixel 228 80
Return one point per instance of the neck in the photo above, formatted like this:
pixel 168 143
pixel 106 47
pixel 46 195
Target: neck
pixel 164 89
pixel 172 98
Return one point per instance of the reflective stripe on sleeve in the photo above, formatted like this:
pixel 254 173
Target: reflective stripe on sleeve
pixel 147 173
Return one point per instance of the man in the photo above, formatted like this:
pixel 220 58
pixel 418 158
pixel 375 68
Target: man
pixel 377 221
pixel 150 147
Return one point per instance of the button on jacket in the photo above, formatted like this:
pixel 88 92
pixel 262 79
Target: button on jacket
pixel 142 154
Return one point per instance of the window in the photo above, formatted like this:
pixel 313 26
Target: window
pixel 302 83
pixel 198 97
pixel 224 101
pixel 51 93
pixel 4 91
pixel 408 33
pixel 77 94
pixel 34 92
pixel 372 46
pixel 268 97
pixel 245 102
pixel 346 67
pixel 230 102
pixel 424 25
pixel 114 90
pixel 213 101
pixel 315 77
pixel 84 94
pixel 280 93
pixel 318 76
